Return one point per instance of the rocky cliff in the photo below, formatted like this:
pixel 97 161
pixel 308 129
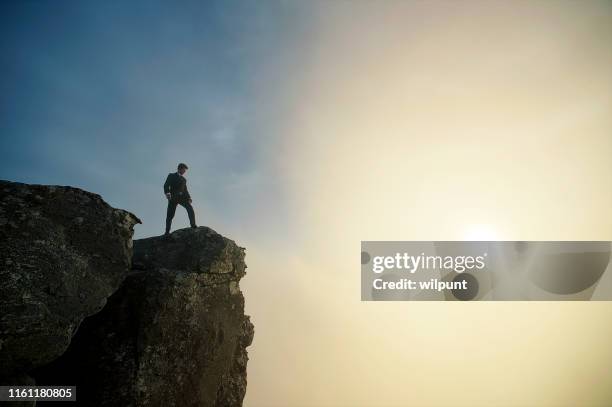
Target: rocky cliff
pixel 173 330
pixel 63 252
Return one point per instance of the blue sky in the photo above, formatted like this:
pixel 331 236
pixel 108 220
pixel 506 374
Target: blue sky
pixel 110 96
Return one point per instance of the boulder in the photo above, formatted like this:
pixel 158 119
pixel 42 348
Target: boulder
pixel 63 252
pixel 174 334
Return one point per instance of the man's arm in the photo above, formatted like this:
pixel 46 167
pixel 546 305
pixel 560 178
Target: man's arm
pixel 167 185
pixel 187 192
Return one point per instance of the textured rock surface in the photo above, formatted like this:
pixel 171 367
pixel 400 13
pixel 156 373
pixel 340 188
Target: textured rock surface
pixel 63 252
pixel 175 333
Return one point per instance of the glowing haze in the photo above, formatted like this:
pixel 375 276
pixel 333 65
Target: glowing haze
pixel 438 120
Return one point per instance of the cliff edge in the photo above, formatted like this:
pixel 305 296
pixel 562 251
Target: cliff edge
pixel 162 326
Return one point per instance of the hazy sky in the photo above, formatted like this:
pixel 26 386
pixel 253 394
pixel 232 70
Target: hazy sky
pixel 311 126
pixel 110 96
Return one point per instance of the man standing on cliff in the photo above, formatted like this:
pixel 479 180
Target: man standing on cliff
pixel 176 192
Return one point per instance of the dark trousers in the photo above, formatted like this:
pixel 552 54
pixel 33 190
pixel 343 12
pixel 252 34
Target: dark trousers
pixel 172 209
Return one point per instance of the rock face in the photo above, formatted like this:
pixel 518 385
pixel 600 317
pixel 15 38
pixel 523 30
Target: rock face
pixel 159 322
pixel 174 334
pixel 63 252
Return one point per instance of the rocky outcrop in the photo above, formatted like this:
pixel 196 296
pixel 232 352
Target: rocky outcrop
pixel 156 322
pixel 174 334
pixel 63 252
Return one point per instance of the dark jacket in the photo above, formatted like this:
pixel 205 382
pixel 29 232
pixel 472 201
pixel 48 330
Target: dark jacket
pixel 176 185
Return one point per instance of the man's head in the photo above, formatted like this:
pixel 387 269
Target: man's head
pixel 182 168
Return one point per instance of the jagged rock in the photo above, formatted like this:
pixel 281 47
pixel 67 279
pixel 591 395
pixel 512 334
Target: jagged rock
pixel 63 252
pixel 233 384
pixel 175 333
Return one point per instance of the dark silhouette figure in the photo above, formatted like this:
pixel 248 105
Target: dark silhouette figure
pixel 176 191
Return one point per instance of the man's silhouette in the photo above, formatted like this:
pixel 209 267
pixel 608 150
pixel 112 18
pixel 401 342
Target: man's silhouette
pixel 176 191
